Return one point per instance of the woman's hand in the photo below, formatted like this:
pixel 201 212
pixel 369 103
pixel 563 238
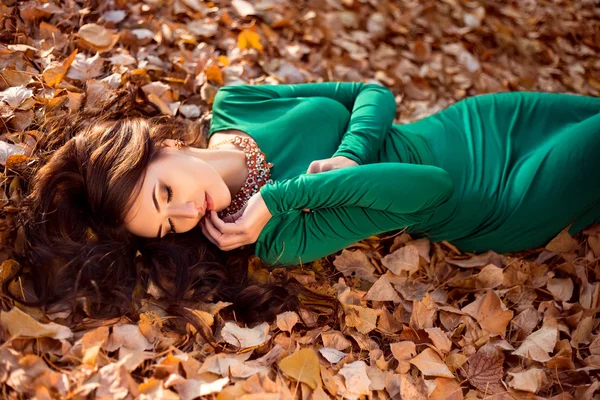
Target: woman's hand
pixel 239 229
pixel 329 164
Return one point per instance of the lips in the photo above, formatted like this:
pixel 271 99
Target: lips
pixel 209 203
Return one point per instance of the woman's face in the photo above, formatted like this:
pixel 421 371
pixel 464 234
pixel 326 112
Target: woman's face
pixel 176 193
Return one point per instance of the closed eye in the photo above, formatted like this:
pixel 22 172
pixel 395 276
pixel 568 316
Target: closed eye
pixel 172 226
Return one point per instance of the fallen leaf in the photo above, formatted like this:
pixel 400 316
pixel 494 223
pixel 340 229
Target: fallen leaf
pixel 530 380
pixel 302 366
pixel 98 36
pixel 245 337
pixel 404 259
pixel 356 380
pixel 287 320
pixel 18 323
pixel 563 242
pixel 355 263
pixel 541 342
pixel 439 339
pixel 561 289
pixel 248 39
pixel 487 310
pixel 362 318
pixel 490 277
pixel 14 96
pixel 382 290
pixel 423 313
pixel 429 363
pixel 485 370
pixel 332 355
pixel 446 389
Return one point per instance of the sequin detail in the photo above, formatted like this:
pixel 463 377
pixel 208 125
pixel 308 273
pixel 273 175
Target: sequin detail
pixel 259 173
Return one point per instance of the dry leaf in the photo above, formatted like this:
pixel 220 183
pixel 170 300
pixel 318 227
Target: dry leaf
pixel 303 366
pixel 423 313
pixel 487 310
pixel 429 363
pixel 490 277
pixel 355 263
pixel 562 289
pixel 485 370
pixel 404 259
pixel 361 318
pixel 245 337
pixel 446 389
pixel 287 320
pixel 530 380
pixel 541 342
pixel 439 339
pixel 18 323
pixel 98 36
pixel 356 380
pixel 382 290
pixel 248 39
pixel 332 355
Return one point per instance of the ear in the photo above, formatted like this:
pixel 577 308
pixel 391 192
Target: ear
pixel 168 143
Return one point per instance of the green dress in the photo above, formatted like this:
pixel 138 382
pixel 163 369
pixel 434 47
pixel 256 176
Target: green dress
pixel 502 172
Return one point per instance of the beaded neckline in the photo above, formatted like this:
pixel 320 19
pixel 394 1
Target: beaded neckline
pixel 259 173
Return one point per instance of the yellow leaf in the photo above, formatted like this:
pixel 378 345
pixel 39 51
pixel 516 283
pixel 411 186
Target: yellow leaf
pixel 213 73
pixel 15 159
pixel 223 60
pixel 303 366
pixel 361 318
pixel 54 74
pixel 248 39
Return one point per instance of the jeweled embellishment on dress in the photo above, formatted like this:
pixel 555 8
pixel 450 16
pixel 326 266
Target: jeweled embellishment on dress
pixel 259 173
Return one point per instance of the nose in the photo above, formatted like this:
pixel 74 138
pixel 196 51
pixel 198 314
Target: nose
pixel 185 210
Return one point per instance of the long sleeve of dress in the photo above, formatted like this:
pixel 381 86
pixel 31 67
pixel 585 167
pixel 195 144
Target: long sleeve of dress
pixel 372 108
pixel 347 205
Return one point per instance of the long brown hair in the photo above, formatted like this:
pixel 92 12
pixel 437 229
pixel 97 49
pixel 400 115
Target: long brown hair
pixel 79 253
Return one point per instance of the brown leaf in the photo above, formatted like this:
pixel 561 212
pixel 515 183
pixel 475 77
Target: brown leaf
pixel 485 371
pixel 440 339
pixel 355 263
pixel 490 277
pixel 423 314
pixel 429 363
pixel 541 342
pixel 563 242
pixel 563 359
pixel 383 290
pixel 487 310
pixel 446 389
pixel 562 289
pixel 530 380
pixel 362 318
pixel 287 320
pixel 404 259
pixel 18 323
pixel 98 36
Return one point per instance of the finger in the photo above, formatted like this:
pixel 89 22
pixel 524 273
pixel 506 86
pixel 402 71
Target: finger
pixel 222 240
pixel 313 168
pixel 222 226
pixel 208 235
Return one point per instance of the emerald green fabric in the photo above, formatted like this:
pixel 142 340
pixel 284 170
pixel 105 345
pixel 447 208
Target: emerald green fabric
pixel 502 172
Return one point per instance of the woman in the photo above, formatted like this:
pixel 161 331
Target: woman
pixel 503 172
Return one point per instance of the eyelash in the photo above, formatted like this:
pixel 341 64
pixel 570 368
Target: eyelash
pixel 169 198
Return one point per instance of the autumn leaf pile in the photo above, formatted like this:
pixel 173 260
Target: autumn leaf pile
pixel 421 320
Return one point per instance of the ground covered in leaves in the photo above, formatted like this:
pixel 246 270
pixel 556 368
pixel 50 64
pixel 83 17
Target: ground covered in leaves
pixel 421 319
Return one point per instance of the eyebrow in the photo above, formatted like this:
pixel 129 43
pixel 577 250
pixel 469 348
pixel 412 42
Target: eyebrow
pixel 157 209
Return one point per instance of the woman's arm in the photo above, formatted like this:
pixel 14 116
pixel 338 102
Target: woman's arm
pixel 348 205
pixel 372 108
